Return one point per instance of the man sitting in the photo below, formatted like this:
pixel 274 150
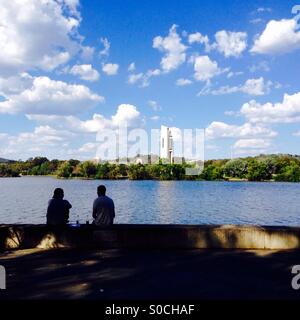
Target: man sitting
pixel 103 208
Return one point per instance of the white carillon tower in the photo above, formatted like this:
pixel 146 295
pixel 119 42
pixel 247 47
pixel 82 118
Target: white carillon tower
pixel 166 144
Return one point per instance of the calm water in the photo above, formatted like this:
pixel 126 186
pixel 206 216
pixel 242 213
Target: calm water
pixel 24 200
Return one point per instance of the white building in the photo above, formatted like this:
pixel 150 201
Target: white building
pixel 166 144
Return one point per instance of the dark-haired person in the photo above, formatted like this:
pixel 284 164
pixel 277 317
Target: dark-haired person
pixel 103 208
pixel 58 209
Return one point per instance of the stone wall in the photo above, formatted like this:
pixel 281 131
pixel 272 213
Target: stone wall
pixel 150 236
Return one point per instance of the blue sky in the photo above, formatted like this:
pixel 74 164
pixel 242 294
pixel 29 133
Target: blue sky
pixel 69 69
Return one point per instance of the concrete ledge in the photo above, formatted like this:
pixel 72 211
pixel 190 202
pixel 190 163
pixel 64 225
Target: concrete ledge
pixel 150 236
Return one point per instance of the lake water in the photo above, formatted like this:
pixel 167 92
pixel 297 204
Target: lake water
pixel 24 200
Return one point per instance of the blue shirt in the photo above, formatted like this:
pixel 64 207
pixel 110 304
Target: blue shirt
pixel 103 210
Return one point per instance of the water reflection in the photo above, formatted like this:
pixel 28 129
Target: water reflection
pixel 24 200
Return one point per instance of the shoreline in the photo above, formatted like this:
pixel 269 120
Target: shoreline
pixel 174 180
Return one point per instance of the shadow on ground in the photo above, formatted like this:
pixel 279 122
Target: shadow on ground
pixel 149 274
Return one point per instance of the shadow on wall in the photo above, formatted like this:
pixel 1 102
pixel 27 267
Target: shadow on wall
pixel 150 237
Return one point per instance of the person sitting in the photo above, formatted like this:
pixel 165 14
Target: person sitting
pixel 58 209
pixel 103 208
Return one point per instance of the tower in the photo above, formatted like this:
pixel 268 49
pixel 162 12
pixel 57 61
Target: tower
pixel 166 144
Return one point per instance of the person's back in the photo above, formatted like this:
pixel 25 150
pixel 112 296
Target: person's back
pixel 58 209
pixel 103 208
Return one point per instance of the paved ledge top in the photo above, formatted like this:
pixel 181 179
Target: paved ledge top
pixel 154 226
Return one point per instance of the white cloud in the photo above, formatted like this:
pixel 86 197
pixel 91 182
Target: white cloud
pixel 254 87
pixel 205 69
pixel 252 144
pixel 155 118
pixel 263 9
pixel 278 37
pixel 87 53
pixel 173 48
pixel 44 140
pixel 143 78
pixel 24 24
pixel 256 20
pixel 106 47
pixel 297 134
pixel 287 111
pixel 154 105
pixel 15 84
pixel 125 114
pixel 183 82
pixel 88 147
pixel 133 78
pixel 110 69
pixel 46 96
pixel 231 43
pixel 223 130
pixel 234 74
pixel 85 72
pixel 131 67
pixel 197 37
pixel 261 66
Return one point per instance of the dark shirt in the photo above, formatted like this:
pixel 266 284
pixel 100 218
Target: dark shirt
pixel 58 211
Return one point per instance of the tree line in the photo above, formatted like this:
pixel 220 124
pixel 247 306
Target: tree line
pixel 259 168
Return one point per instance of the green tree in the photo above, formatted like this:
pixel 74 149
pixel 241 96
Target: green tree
pixel 65 170
pixel 289 174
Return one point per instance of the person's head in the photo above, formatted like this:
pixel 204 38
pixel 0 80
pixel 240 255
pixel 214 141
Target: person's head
pixel 101 190
pixel 58 193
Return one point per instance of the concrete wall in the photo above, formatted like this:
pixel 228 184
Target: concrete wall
pixel 150 236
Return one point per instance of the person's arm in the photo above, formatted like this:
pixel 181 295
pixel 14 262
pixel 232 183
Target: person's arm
pixel 113 210
pixel 94 210
pixel 67 211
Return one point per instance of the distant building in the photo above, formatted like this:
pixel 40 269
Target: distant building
pixel 166 144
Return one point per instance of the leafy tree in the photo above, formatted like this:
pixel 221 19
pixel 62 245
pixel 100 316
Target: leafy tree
pixel 65 170
pixel 289 174
pixel 236 168
pixel 258 171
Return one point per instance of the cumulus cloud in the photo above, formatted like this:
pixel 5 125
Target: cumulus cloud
pixel 231 44
pixel 223 130
pixel 183 82
pixel 278 37
pixel 254 87
pixel 85 72
pixel 197 37
pixel 37 34
pixel 43 140
pixel 287 111
pixel 110 69
pixel 205 69
pixel 46 96
pixel 173 48
pixel 252 144
pixel 126 114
